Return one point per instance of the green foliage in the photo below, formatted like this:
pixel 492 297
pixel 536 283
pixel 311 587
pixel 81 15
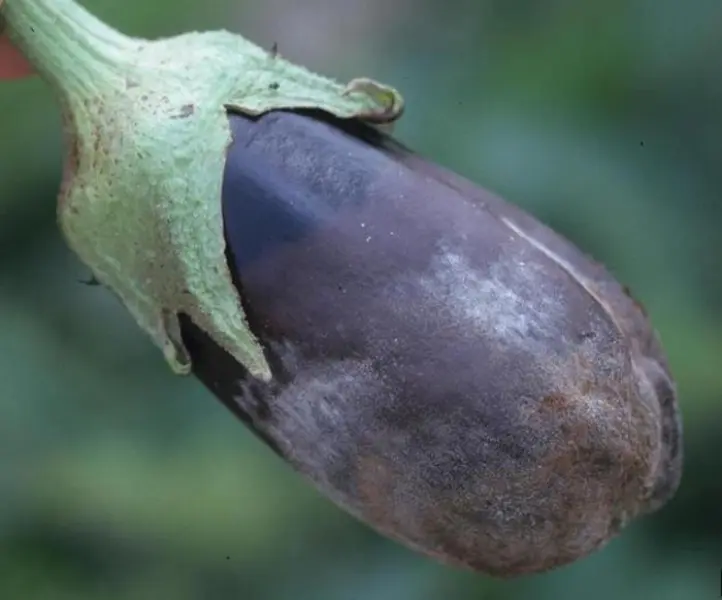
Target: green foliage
pixel 120 481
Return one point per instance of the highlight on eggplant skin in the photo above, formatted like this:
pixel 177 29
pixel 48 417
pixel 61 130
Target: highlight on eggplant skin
pixel 446 368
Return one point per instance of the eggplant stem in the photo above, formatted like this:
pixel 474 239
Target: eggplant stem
pixel 71 49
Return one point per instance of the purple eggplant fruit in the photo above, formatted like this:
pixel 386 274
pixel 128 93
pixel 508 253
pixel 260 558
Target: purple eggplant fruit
pixel 436 361
pixel 445 367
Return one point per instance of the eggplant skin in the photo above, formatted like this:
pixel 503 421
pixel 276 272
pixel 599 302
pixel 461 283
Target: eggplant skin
pixel 445 367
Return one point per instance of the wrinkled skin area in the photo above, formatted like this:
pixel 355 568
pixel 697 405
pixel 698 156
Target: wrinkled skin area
pixel 446 368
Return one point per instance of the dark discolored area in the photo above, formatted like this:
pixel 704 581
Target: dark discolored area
pixel 445 367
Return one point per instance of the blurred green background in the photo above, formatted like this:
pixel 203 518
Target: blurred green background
pixel 120 481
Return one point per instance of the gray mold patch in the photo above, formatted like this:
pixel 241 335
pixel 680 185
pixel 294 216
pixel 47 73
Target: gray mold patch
pixel 509 301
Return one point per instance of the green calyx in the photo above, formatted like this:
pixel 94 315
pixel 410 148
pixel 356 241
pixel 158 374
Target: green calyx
pixel 147 132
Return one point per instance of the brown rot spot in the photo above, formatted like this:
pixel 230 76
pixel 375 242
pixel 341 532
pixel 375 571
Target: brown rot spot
pixel 554 403
pixel 445 543
pixel 374 484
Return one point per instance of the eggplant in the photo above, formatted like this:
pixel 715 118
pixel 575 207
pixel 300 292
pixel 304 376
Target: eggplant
pixel 433 359
pixel 445 367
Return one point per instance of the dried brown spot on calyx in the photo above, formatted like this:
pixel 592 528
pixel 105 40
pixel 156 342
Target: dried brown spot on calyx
pixel 72 159
pixel 185 111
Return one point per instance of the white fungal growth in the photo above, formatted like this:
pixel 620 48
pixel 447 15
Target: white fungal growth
pixel 507 301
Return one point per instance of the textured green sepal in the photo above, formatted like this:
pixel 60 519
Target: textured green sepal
pixel 148 133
